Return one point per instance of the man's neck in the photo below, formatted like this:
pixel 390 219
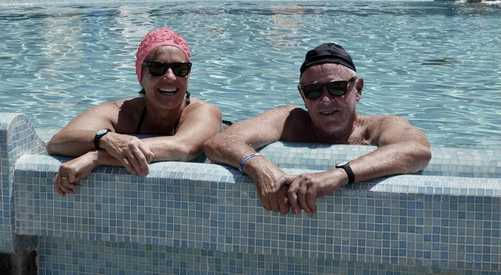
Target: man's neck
pixel 337 137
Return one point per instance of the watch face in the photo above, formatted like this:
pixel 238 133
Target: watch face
pixel 101 132
pixel 342 163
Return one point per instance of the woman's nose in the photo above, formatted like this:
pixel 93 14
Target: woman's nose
pixel 169 74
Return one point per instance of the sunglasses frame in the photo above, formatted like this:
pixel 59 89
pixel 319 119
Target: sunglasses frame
pixel 329 87
pixel 166 66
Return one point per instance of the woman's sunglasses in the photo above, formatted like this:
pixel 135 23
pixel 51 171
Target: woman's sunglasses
pixel 334 88
pixel 159 69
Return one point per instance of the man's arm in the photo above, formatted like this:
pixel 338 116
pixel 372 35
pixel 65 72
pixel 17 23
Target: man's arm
pixel 241 139
pixel 402 148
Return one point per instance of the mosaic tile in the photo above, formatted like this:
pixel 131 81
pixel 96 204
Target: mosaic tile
pixel 17 137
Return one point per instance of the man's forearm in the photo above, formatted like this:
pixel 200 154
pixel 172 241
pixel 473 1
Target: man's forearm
pixel 227 150
pixel 391 159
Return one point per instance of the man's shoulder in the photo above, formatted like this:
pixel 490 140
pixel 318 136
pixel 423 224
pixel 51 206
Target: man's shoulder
pixel 379 120
pixel 376 125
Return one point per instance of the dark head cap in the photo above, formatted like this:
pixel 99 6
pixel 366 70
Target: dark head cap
pixel 327 53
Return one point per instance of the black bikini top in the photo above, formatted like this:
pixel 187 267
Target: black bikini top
pixel 143 115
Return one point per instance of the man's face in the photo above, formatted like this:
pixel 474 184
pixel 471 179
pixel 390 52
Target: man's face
pixel 329 113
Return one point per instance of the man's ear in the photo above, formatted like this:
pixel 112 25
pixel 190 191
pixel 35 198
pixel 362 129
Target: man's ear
pixel 359 86
pixel 300 93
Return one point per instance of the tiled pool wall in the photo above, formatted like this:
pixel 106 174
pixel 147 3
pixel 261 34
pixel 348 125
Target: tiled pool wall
pixel 206 218
pixel 16 138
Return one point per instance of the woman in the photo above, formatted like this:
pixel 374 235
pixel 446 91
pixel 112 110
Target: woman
pixel 104 135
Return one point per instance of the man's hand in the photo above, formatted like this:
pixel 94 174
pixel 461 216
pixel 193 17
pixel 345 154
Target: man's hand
pixel 306 188
pixel 133 153
pixel 71 172
pixel 272 192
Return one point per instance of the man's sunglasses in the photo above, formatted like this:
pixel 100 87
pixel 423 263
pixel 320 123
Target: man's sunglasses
pixel 334 88
pixel 159 69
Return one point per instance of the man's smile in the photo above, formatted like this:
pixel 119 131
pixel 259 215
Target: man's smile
pixel 328 112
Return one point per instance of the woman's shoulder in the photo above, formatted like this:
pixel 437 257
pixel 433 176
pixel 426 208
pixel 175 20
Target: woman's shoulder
pixel 124 113
pixel 129 103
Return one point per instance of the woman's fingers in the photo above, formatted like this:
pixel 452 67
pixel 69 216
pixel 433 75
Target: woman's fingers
pixel 133 161
pixel 141 159
pixel 146 152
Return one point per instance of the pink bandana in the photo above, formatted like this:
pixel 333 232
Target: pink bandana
pixel 155 38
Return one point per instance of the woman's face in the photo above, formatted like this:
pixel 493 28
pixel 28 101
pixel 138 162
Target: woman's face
pixel 168 90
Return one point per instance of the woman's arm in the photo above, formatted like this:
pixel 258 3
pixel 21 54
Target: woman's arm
pixel 77 138
pixel 197 124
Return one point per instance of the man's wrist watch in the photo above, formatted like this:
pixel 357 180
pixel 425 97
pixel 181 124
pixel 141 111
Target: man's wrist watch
pixel 99 135
pixel 347 168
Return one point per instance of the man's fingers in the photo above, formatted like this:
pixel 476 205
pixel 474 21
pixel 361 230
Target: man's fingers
pixel 311 198
pixel 302 197
pixel 292 196
pixel 283 201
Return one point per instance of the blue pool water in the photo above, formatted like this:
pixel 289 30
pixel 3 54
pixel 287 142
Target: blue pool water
pixel 436 63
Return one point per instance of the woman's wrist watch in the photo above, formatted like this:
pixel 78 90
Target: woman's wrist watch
pixel 99 135
pixel 347 168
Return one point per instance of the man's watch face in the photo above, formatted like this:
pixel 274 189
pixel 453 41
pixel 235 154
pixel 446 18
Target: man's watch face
pixel 341 164
pixel 101 132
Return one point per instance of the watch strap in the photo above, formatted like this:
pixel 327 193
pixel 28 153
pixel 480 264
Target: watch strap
pixel 100 134
pixel 347 168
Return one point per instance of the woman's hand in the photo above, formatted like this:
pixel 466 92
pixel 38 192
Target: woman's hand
pixel 133 153
pixel 73 171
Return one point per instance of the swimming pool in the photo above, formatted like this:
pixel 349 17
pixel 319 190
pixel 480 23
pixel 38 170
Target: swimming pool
pixel 436 63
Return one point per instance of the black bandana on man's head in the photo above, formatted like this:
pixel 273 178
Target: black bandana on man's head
pixel 327 53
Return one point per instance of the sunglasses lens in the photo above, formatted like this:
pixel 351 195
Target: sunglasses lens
pixel 312 91
pixel 181 69
pixel 337 88
pixel 157 68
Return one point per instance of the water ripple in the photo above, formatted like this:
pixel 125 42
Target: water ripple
pixel 435 63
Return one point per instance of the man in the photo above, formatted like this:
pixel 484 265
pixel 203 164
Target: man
pixel 330 88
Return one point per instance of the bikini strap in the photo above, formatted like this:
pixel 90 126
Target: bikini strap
pixel 143 114
pixel 141 119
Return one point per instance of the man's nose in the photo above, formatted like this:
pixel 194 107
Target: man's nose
pixel 325 95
